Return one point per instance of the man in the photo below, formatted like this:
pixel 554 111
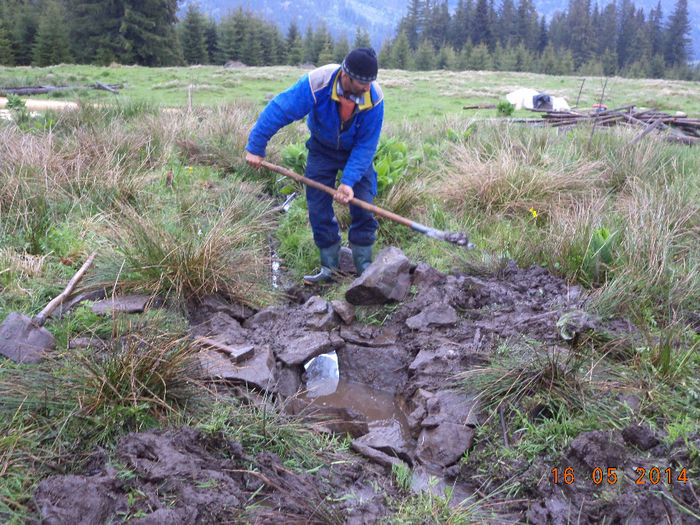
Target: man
pixel 345 111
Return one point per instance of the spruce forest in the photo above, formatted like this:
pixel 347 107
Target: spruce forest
pixel 508 35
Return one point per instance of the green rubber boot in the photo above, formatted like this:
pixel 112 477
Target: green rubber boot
pixel 329 266
pixel 362 256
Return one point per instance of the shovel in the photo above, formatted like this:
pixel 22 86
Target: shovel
pixel 24 340
pixel 458 238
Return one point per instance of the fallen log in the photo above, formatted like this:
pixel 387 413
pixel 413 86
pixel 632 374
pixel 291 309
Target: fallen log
pixel 42 90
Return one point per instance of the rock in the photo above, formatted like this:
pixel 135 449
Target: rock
pixel 346 264
pixel 223 328
pixel 266 315
pixel 345 311
pixel 380 368
pixel 298 351
pixel 320 315
pixel 451 406
pixel 375 455
pixel 258 371
pixel 387 279
pixel 432 363
pixel 316 305
pixel 640 436
pixel 390 441
pixel 23 342
pixel 368 335
pixel 445 444
pixel 87 342
pixel 435 315
pixel 128 304
pixel 425 276
pixel 288 380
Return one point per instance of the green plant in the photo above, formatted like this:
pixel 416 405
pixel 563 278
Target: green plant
pixel 402 476
pixel 17 108
pixel 505 108
pixel 392 161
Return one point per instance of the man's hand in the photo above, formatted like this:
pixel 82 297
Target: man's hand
pixel 344 194
pixel 253 160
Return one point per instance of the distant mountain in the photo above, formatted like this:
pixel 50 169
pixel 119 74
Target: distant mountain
pixel 381 17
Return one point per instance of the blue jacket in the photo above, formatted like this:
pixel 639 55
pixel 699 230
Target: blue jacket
pixel 315 95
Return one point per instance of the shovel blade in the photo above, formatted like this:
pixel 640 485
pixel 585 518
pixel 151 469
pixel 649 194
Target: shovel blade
pixel 23 341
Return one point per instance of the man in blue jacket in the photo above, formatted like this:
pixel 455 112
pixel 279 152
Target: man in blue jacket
pixel 345 111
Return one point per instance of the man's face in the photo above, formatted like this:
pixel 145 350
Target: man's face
pixel 352 86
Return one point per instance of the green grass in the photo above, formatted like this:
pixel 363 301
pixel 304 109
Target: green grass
pixel 432 94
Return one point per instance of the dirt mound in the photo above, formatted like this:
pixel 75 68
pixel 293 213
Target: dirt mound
pixel 184 477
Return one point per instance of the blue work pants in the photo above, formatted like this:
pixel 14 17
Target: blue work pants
pixel 322 165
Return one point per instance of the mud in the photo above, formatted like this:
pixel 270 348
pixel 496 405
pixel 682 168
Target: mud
pixel 406 354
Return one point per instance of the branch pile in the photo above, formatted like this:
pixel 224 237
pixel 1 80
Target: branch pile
pixel 683 129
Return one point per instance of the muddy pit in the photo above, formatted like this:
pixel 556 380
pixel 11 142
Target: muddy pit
pixel 387 384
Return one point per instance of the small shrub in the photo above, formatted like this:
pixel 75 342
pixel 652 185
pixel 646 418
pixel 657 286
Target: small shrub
pixel 505 108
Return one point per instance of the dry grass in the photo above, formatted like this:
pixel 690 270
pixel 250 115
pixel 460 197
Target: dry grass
pixel 511 181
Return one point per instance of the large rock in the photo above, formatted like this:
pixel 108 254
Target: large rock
pixel 445 444
pixel 380 368
pixel 259 371
pixel 390 441
pixel 129 304
pixel 387 279
pixel 439 314
pixel 432 363
pixel 22 341
pixel 319 314
pixel 299 350
pixel 425 276
pixel 345 311
pixel 450 406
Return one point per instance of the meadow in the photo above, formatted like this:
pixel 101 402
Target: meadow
pixel 153 179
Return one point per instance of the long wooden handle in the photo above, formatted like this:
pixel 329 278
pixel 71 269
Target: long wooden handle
pixel 330 191
pixel 458 238
pixel 40 318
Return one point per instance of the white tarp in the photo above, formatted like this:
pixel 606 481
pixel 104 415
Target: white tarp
pixel 522 98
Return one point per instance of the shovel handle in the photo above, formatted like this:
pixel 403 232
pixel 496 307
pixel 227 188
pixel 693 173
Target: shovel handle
pixel 330 191
pixel 40 318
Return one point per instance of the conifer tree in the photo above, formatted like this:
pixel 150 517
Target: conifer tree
pixel 7 57
pixel 308 47
pixel 480 59
pixel 677 41
pixel 193 37
pixel 401 52
pixel 341 48
pixel 506 27
pixel 361 38
pixel 211 39
pixel 326 56
pixel 52 44
pixel 459 28
pixel 424 58
pixel 482 32
pixel 251 49
pixel 294 45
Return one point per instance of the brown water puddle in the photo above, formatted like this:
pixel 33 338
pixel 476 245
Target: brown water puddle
pixel 325 387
